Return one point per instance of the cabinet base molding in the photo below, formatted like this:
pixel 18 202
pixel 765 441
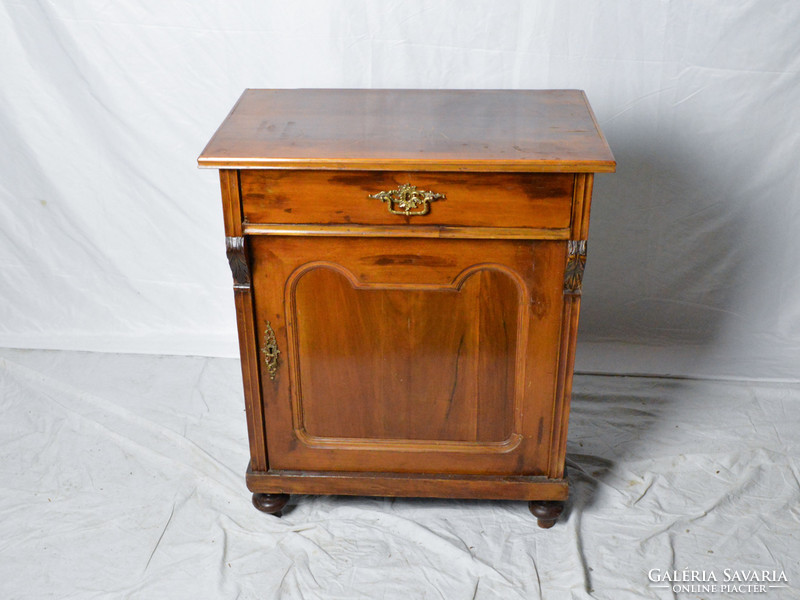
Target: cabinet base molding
pixel 410 485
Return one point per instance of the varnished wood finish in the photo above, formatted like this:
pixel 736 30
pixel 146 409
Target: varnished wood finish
pixel 231 202
pixel 419 377
pixel 270 503
pixel 546 512
pixel 569 333
pixel 248 351
pixel 582 233
pixel 426 355
pixel 401 350
pixel 410 485
pixel 408 231
pixel 242 293
pixel 581 206
pixel 411 130
pixel 324 197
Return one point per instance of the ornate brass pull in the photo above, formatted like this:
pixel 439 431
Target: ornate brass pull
pixel 407 198
pixel 270 351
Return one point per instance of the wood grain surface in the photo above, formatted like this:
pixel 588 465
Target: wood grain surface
pixel 419 355
pixel 419 130
pixel 471 200
pixel 408 485
pixel 410 355
pixel 411 364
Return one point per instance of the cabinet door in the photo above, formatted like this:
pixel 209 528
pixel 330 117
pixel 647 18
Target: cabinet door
pixel 409 355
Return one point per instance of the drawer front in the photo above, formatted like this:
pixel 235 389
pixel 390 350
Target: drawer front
pixel 530 200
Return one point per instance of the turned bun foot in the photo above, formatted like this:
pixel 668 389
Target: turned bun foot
pixel 546 511
pixel 270 503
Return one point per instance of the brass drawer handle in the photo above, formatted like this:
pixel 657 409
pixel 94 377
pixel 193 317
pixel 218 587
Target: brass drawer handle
pixel 407 198
pixel 270 351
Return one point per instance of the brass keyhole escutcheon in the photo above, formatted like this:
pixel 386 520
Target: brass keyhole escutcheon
pixel 270 351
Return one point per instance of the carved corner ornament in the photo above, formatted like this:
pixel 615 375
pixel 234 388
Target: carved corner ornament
pixel 576 262
pixel 237 259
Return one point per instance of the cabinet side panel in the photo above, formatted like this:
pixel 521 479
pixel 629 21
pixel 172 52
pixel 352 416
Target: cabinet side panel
pixel 582 203
pixel 231 202
pixel 239 260
pixel 581 206
pixel 248 350
pixel 564 386
pixel 587 205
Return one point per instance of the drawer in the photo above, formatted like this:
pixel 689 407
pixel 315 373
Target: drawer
pixel 527 200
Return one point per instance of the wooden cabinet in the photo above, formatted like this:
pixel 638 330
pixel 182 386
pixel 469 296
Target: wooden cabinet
pixel 407 273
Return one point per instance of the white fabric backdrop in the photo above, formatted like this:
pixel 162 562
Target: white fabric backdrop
pixel 111 239
pixel 108 491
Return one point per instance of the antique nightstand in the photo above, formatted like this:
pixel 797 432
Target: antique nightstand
pixel 407 273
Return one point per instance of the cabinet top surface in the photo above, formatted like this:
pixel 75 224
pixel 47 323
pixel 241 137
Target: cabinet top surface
pixel 429 130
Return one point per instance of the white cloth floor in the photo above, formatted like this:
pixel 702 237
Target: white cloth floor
pixel 123 477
